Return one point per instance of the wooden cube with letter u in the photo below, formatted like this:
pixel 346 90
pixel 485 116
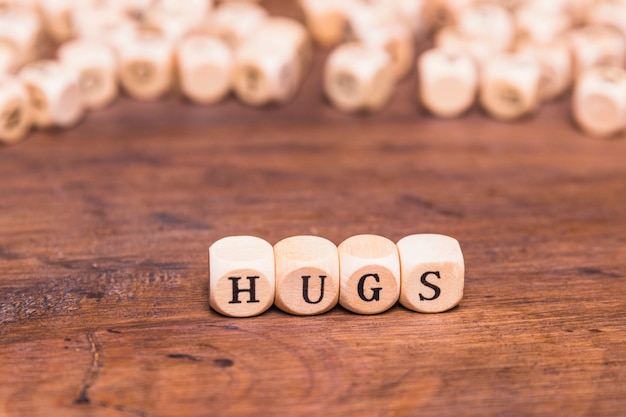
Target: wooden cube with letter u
pixel 307 275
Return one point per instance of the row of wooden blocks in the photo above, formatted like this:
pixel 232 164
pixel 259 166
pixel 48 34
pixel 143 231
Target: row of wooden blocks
pixel 309 275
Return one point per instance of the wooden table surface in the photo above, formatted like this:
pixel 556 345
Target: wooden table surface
pixel 104 231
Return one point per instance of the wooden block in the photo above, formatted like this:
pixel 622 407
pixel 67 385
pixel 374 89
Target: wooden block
pixel 195 10
pixel 235 21
pixel 358 77
pixel 433 272
pixel 448 82
pixel 399 43
pixel 31 5
pixel 510 5
pixel 412 15
pixel 378 24
pixel 117 36
pixel 596 46
pixel 57 18
pixel 21 30
pixel 145 65
pixel 554 6
pixel 409 14
pixel 307 275
pixel 326 20
pixel 540 25
pixel 96 22
pixel 14 111
pixel 611 13
pixel 292 35
pixel 444 13
pixel 95 66
pixel 241 276
pixel 488 22
pixel 175 18
pixel 136 9
pixel 555 62
pixel 509 86
pixel 479 49
pixel 8 61
pixel 365 16
pixel 577 10
pixel 370 274
pixel 266 72
pixel 172 28
pixel 55 98
pixel 205 68
pixel 599 101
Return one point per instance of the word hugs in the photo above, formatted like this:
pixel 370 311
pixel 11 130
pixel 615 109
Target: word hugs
pixel 308 275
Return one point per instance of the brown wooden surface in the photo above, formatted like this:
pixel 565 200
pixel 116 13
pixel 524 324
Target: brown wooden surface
pixel 104 231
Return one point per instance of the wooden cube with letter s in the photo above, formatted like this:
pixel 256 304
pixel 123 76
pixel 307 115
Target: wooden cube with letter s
pixel 433 272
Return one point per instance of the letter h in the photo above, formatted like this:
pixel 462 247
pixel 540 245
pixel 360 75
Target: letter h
pixel 237 290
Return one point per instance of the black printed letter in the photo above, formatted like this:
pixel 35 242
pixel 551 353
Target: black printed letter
pixel 305 289
pixel 376 291
pixel 251 290
pixel 429 285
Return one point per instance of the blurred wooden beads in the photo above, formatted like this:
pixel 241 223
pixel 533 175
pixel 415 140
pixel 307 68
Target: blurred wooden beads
pixel 308 275
pixel 509 55
pixel 509 86
pixel 55 98
pixel 205 66
pixel 95 67
pixel 358 77
pixel 14 110
pixel 270 65
pixel 599 101
pixel 146 64
pixel 448 82
pixel 20 30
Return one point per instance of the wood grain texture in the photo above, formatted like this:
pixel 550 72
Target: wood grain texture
pixel 104 231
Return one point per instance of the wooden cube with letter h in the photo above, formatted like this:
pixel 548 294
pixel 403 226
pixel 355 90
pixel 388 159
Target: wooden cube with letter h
pixel 241 276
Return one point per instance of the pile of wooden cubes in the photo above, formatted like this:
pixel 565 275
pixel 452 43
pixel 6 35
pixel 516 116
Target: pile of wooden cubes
pixel 148 48
pixel 508 55
pixel 59 58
